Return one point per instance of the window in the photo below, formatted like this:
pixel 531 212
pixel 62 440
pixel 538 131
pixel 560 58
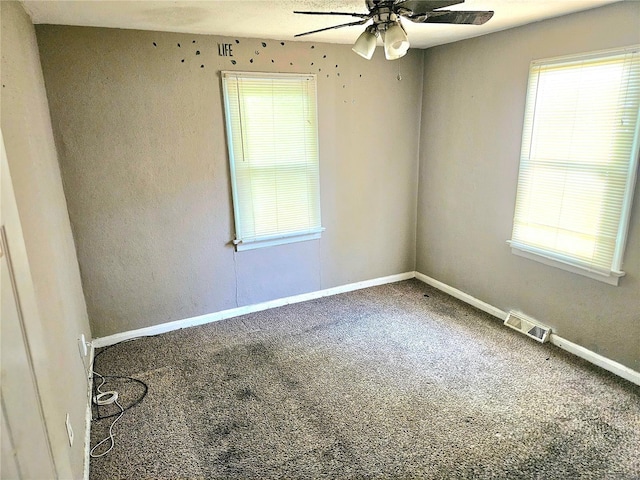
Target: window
pixel 272 136
pixel 578 162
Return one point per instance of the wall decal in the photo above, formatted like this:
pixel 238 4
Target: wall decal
pixel 314 58
pixel 224 50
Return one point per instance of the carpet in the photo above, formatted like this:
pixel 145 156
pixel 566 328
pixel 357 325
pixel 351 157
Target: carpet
pixel 396 381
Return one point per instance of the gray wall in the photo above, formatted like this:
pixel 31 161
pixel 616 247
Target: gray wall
pixel 473 109
pixel 144 163
pixel 141 141
pixel 58 316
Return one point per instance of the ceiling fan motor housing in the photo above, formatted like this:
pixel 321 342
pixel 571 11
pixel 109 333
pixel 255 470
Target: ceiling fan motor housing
pixel 384 18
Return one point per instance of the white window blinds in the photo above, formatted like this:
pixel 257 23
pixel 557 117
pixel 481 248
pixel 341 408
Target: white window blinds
pixel 579 159
pixel 273 152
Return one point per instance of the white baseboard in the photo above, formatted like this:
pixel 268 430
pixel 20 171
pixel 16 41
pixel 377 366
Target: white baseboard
pixel 235 312
pixel 88 416
pixel 584 353
pixel 590 356
pixel 596 359
pixel 460 295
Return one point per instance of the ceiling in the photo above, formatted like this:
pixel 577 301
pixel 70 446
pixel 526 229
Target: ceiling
pixel 274 19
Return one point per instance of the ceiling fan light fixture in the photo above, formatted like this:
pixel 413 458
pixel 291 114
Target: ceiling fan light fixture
pixel 396 43
pixel 365 45
pixel 386 17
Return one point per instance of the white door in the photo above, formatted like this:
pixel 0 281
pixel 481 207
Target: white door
pixel 26 452
pixel 8 462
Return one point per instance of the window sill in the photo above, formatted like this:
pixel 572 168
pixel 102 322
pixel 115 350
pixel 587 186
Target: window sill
pixel 276 240
pixel 530 253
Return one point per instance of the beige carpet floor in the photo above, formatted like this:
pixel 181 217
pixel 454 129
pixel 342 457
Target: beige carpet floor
pixel 397 381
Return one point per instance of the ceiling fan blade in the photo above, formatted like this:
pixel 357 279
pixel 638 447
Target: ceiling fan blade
pixel 454 17
pixel 360 22
pixel 420 7
pixel 361 15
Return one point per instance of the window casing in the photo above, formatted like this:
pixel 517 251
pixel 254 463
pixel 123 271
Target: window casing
pixel 578 162
pixel 272 137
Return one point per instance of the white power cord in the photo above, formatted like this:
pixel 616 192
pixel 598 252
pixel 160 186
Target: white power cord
pixel 111 397
pixel 106 398
pixel 110 438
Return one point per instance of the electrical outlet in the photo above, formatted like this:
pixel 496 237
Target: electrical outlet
pixel 82 345
pixel 67 423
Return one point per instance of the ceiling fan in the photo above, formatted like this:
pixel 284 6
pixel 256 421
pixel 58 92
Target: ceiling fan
pixel 386 15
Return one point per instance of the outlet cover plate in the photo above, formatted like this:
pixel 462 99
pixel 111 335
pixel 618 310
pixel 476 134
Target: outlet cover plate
pixel 82 344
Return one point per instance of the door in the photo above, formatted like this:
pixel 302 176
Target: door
pixel 26 452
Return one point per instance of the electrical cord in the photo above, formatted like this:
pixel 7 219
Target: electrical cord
pixel 111 436
pixel 106 398
pixel 110 397
pixel 138 400
pixel 93 372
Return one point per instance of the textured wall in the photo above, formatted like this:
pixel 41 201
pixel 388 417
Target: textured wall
pixel 53 332
pixel 139 125
pixel 473 109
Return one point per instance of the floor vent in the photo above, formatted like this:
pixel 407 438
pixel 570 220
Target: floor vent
pixel 528 326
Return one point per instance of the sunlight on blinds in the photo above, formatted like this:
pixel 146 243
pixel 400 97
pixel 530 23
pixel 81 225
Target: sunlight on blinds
pixel 578 159
pixel 273 149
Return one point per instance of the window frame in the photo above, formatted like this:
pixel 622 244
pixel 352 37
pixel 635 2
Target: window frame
pixel 556 258
pixel 279 238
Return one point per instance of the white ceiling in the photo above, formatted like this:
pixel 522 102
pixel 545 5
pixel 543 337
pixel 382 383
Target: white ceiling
pixel 274 19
